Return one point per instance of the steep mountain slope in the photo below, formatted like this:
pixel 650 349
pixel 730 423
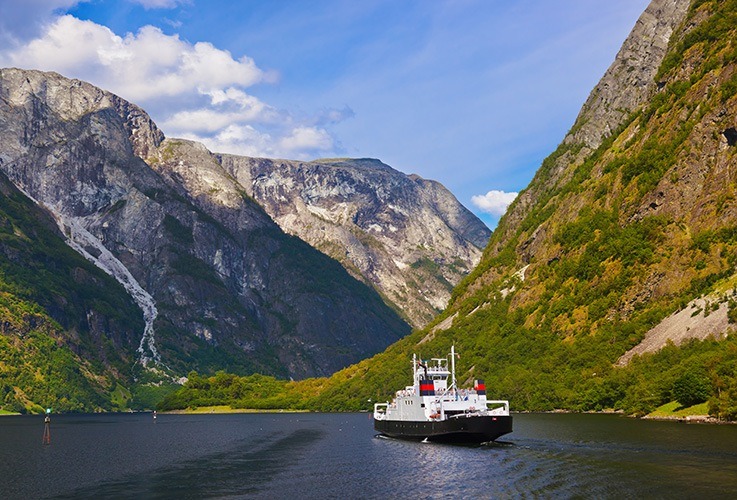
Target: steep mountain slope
pixel 629 221
pixel 406 236
pixel 219 284
pixel 627 85
pixel 69 331
pixel 614 232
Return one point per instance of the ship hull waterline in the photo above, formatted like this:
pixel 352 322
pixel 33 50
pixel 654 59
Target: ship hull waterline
pixel 474 429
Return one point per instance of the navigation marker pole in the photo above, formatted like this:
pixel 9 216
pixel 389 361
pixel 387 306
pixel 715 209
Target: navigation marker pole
pixel 47 428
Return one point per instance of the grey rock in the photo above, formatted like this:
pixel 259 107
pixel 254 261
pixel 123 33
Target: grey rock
pixel 627 84
pixel 630 80
pixel 406 236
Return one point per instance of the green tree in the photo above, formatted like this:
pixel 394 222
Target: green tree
pixel 691 388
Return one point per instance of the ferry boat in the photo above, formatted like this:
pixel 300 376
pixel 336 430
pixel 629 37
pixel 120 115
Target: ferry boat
pixel 434 409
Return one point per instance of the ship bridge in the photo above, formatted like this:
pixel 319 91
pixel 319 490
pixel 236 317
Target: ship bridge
pixel 435 371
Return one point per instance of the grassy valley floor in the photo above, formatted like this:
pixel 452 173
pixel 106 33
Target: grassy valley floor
pixel 674 411
pixel 228 409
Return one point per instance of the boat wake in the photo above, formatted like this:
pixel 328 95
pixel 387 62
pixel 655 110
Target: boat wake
pixel 497 444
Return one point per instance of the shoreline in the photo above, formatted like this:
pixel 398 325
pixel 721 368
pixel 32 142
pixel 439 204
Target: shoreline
pixel 219 410
pixel 658 415
pixel 690 419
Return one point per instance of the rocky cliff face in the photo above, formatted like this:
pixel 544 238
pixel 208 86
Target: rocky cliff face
pixel 630 80
pixel 406 236
pixel 219 284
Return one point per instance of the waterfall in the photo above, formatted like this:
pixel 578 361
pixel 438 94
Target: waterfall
pixel 80 239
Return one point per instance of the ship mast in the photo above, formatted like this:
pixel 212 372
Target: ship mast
pixel 453 365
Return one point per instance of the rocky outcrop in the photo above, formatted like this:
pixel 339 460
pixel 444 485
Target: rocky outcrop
pixel 627 84
pixel 220 285
pixel 701 319
pixel 406 236
pixel 630 80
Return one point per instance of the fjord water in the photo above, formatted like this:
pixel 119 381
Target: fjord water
pixel 309 455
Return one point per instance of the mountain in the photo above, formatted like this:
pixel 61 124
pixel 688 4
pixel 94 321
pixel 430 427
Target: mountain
pixel 610 282
pixel 218 284
pixel 406 236
pixel 190 270
pixel 69 331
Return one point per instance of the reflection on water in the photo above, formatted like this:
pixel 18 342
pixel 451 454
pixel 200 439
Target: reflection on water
pixel 242 470
pixel 340 455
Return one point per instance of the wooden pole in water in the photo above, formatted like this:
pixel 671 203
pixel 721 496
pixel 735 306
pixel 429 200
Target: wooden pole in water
pixel 47 428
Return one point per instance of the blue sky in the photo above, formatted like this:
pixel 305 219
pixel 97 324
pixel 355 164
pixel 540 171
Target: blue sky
pixel 471 93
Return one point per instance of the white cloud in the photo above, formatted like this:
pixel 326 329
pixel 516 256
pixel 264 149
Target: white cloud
pixel 307 139
pixel 227 107
pixel 301 143
pixel 192 90
pixel 237 139
pixel 494 202
pixel 229 124
pixel 140 66
pixel 202 120
pixel 334 115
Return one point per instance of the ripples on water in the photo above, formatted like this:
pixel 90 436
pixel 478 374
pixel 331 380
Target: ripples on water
pixel 339 456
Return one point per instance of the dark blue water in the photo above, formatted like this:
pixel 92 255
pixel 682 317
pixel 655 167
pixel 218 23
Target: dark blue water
pixel 339 456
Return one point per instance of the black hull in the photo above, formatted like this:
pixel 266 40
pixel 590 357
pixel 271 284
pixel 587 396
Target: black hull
pixel 476 429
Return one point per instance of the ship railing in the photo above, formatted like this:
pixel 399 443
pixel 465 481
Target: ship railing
pixel 497 407
pixel 380 410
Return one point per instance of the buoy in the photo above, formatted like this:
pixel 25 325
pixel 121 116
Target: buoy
pixel 47 427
